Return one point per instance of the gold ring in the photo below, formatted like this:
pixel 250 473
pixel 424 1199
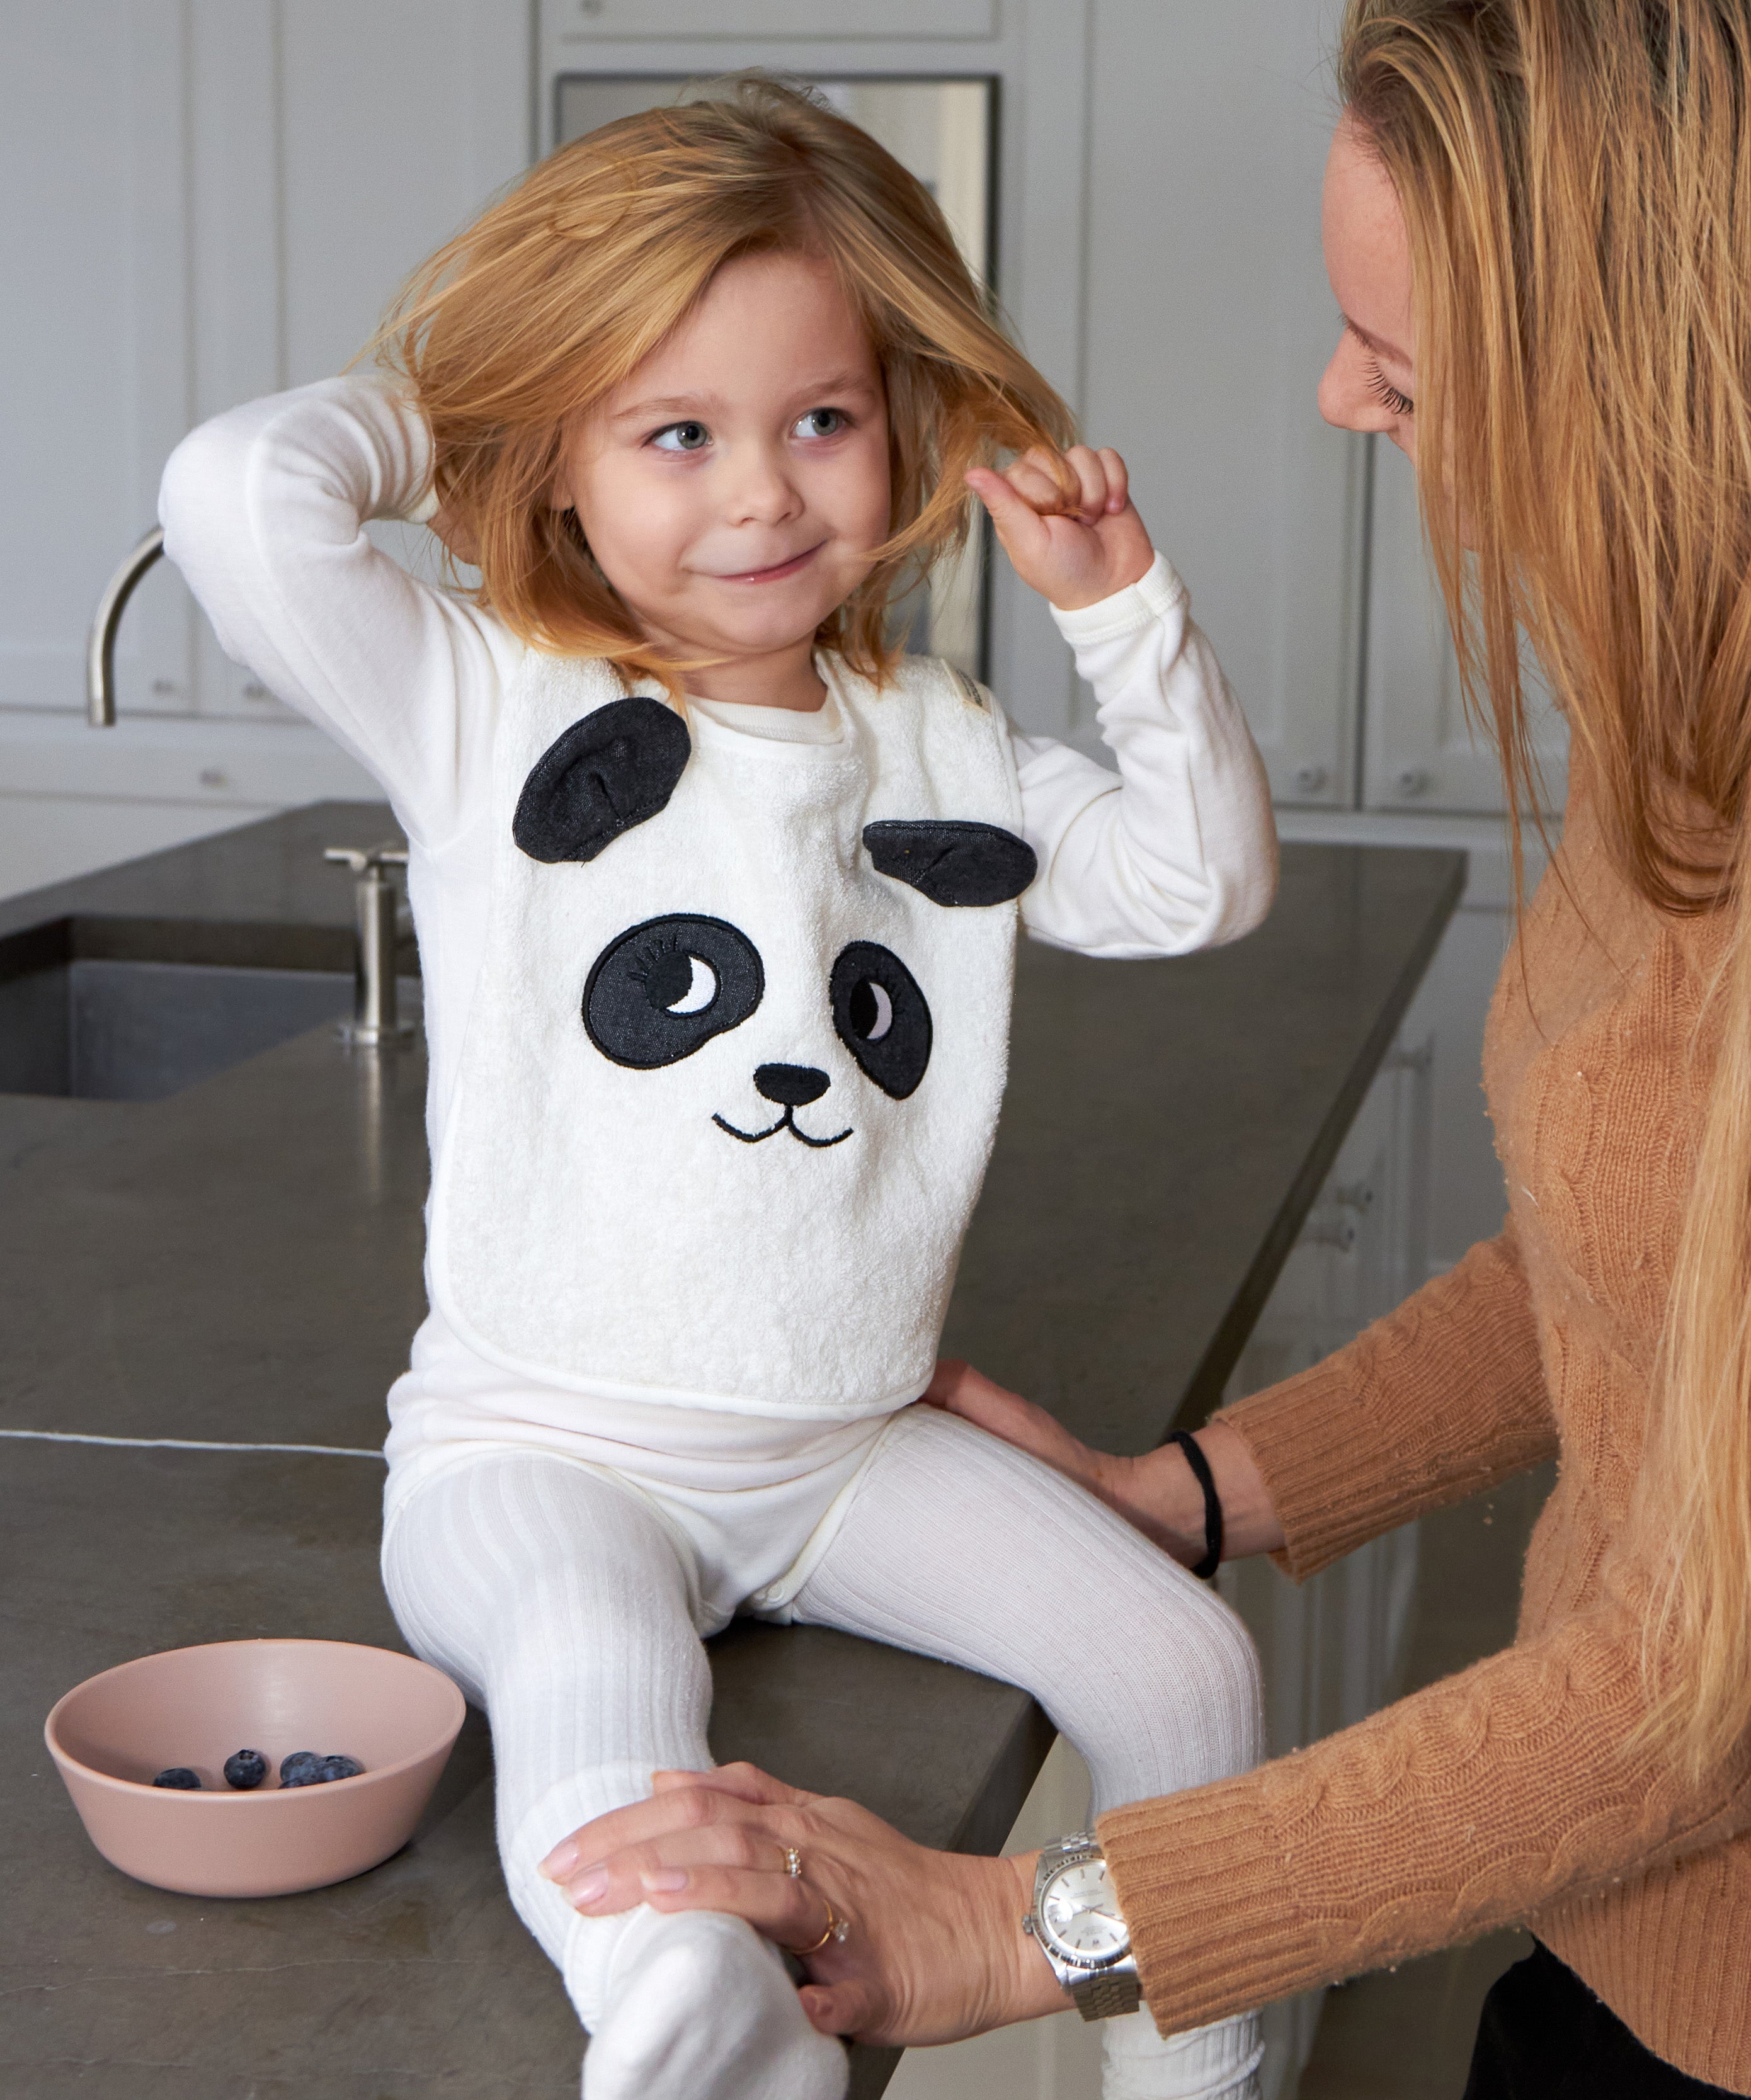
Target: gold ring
pixel 793 1863
pixel 836 1929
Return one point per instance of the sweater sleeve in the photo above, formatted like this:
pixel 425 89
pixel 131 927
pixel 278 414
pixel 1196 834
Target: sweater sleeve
pixel 1179 850
pixel 1473 1804
pixel 264 511
pixel 1438 1402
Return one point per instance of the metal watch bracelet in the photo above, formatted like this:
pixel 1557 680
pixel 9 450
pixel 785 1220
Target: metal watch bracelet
pixel 1104 1989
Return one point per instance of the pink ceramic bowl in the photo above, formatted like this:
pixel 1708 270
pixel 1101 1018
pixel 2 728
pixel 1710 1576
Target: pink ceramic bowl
pixel 194 1705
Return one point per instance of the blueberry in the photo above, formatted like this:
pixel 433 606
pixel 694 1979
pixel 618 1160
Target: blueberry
pixel 341 1768
pixel 180 1777
pixel 244 1769
pixel 301 1768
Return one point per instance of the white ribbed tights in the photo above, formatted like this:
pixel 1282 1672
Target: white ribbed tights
pixel 560 1602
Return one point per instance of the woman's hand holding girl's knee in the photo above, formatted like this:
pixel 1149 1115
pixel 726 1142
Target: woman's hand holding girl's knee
pixel 1156 1491
pixel 933 1949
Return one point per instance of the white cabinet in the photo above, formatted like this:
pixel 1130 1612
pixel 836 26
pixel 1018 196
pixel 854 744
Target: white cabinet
pixel 1419 750
pixel 217 198
pixel 1207 323
pixel 1333 1649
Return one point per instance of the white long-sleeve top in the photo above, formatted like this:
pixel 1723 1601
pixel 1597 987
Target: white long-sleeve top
pixel 263 510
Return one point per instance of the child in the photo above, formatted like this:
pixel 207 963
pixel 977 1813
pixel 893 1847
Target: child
pixel 716 907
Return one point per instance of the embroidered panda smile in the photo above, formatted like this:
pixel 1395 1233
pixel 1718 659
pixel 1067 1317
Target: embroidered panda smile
pixel 794 1086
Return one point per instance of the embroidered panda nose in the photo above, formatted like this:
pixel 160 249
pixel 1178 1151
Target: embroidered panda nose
pixel 793 1086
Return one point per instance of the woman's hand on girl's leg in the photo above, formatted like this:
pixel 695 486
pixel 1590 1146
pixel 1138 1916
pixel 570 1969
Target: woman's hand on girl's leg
pixel 957 1388
pixel 933 1950
pixel 1156 1491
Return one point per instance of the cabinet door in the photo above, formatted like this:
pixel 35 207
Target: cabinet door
pixel 217 197
pixel 1209 321
pixel 1420 751
pixel 94 366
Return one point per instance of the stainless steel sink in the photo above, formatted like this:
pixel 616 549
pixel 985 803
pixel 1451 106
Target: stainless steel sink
pixel 96 1028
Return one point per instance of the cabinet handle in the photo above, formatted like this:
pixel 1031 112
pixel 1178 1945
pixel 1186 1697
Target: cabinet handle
pixel 1355 1196
pixel 1412 781
pixel 1403 1058
pixel 1311 780
pixel 1328 1231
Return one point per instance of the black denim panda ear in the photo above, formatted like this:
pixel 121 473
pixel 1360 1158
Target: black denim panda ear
pixel 615 769
pixel 952 863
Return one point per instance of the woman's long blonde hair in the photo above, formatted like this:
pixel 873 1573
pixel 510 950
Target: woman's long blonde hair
pixel 1576 181
pixel 556 293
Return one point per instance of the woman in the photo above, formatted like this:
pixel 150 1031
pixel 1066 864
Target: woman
pixel 1538 228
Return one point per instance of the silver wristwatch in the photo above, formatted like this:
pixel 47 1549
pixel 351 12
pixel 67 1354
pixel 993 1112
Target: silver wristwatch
pixel 1076 1920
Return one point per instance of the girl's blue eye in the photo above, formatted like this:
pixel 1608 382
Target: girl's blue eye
pixel 820 423
pixel 682 438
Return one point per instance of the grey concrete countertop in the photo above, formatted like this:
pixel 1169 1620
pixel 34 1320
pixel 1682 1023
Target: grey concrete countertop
pixel 241 1262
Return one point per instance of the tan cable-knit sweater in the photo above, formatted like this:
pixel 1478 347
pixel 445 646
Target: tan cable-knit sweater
pixel 1502 1793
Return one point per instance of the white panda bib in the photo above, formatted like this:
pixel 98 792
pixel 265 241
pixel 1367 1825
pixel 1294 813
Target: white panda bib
pixel 728 1089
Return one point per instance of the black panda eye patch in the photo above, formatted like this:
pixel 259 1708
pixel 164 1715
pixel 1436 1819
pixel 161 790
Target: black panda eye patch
pixel 660 991
pixel 881 1016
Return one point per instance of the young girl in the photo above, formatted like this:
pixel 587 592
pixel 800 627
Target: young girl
pixel 716 898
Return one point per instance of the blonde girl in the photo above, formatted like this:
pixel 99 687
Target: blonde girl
pixel 717 894
pixel 1537 224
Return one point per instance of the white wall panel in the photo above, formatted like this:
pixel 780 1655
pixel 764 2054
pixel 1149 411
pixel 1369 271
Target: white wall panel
pixel 396 133
pixel 1420 749
pixel 213 198
pixel 93 370
pixel 1209 321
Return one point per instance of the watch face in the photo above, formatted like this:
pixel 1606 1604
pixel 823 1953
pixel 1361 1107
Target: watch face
pixel 1081 1918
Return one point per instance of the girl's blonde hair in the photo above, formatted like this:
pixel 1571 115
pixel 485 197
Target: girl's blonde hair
pixel 557 292
pixel 1576 181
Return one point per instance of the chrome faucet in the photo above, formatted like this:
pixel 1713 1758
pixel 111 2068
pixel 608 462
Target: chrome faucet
pixel 100 643
pixel 376 903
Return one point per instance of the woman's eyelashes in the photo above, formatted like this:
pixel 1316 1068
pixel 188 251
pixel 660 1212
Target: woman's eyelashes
pixel 1386 393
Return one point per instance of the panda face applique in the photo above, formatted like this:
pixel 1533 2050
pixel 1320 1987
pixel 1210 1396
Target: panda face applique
pixel 736 1051
pixel 663 990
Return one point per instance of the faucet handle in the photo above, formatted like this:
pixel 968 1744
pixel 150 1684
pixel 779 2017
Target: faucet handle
pixel 366 860
pixel 376 910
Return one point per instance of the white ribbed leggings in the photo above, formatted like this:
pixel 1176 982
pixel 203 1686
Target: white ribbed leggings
pixel 560 1601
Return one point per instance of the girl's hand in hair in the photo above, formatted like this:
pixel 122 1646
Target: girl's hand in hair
pixel 933 1947
pixel 1067 521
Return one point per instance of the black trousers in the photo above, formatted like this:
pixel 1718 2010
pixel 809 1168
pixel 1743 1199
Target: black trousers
pixel 1543 2035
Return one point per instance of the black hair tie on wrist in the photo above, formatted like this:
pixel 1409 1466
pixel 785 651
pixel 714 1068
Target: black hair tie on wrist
pixel 1206 1479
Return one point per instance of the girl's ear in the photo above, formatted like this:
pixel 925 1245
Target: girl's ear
pixel 559 496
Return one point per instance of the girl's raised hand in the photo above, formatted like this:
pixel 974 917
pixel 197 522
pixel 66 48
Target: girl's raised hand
pixel 1073 549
